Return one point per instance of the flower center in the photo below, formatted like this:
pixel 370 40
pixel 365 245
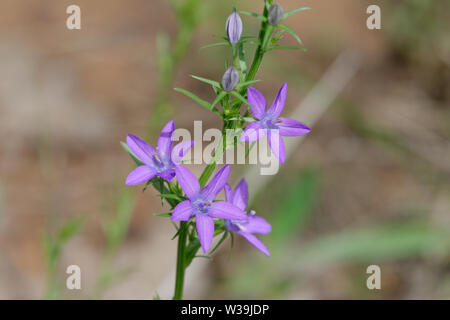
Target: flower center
pixel 161 164
pixel 201 205
pixel 269 123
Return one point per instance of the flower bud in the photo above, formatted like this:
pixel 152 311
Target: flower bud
pixel 275 14
pixel 233 27
pixel 230 79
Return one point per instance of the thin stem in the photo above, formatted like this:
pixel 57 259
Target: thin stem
pixel 181 265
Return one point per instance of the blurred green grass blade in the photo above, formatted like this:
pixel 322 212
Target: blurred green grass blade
pixel 295 206
pixel 116 227
pixel 401 240
pixel 69 229
pixel 52 246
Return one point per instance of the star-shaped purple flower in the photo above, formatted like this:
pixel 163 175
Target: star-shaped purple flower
pixel 252 224
pixel 270 123
pixel 157 162
pixel 201 203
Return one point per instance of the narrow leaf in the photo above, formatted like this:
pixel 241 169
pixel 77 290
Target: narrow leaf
pixel 211 82
pixel 241 98
pixel 289 13
pixel 219 97
pixel 132 155
pixel 195 98
pixel 252 14
pixel 164 214
pixel 292 32
pixel 286 48
pixel 216 44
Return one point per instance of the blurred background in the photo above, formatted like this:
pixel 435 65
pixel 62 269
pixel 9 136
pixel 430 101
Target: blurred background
pixel 369 185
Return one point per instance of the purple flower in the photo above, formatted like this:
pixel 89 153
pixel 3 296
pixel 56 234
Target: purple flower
pixel 201 203
pixel 157 162
pixel 233 27
pixel 252 224
pixel 270 122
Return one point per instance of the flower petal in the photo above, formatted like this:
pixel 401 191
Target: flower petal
pixel 292 128
pixel 233 27
pixel 226 210
pixel 278 104
pixel 183 211
pixel 228 193
pixel 205 230
pixel 257 102
pixel 165 139
pixel 140 148
pixel 217 183
pixel 180 150
pixel 254 131
pixel 240 196
pixel 188 182
pixel 276 144
pixel 255 242
pixel 139 175
pixel 257 224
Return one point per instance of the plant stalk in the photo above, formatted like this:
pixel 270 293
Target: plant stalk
pixel 181 265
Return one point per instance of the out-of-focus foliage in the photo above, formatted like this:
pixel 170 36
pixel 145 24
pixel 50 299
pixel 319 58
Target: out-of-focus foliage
pixel 53 246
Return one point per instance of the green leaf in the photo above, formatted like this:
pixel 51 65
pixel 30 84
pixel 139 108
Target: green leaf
pixel 206 174
pixel 132 155
pixel 164 214
pixel 216 44
pixel 191 251
pixel 241 98
pixel 225 234
pixel 286 48
pixel 219 97
pixel 252 14
pixel 170 196
pixel 211 82
pixel 289 13
pixel 246 83
pixel 242 63
pixel 277 37
pixel 292 32
pixel 201 102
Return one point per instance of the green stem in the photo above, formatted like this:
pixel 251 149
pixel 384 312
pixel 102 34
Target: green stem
pixel 264 34
pixel 181 265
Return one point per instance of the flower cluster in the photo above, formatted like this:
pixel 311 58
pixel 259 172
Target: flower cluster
pixel 194 201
